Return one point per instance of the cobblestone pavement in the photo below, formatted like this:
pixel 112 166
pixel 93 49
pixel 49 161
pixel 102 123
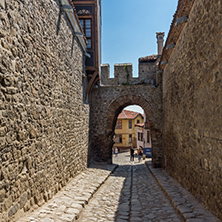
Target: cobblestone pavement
pixel 67 205
pixel 130 194
pixel 133 192
pixel 186 205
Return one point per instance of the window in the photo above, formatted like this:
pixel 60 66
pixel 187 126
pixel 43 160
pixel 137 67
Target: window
pixel 140 136
pixel 130 138
pixel 118 138
pixel 138 121
pixel 87 28
pixel 119 124
pixel 130 124
pixel 148 137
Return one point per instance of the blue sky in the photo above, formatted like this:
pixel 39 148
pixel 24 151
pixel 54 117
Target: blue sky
pixel 129 29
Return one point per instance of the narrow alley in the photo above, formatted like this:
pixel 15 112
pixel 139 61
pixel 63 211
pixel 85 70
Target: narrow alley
pixel 123 191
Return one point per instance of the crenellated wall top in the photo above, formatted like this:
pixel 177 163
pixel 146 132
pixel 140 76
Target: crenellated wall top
pixel 123 74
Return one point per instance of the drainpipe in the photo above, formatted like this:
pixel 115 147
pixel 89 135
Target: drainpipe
pixel 68 10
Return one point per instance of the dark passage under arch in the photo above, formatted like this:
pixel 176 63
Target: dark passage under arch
pixel 111 101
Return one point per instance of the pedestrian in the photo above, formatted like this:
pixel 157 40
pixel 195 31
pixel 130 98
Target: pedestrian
pixel 131 154
pixel 116 151
pixel 140 153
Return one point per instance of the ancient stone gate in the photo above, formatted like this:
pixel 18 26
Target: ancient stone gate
pixel 107 101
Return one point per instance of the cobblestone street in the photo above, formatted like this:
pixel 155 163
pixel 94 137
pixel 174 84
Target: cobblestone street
pixel 133 191
pixel 130 194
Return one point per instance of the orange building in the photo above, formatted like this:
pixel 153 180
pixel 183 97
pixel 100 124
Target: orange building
pixel 126 131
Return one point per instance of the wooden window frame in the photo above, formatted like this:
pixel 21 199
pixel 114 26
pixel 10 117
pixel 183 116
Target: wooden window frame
pixel 130 138
pixel 84 18
pixel 130 124
pixel 120 138
pixel 119 124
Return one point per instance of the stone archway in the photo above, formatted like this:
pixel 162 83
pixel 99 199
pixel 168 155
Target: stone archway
pixel 114 110
pixel 106 105
pixel 118 104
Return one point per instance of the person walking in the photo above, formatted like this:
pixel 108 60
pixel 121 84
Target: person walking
pixel 131 154
pixel 116 151
pixel 140 153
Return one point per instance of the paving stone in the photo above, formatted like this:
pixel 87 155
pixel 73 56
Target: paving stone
pixel 47 220
pixel 68 203
pixel 130 193
pixel 181 199
pixel 67 217
pixel 132 219
pixel 124 213
pixel 73 211
pixel 195 220
pixel 190 215
pixel 184 209
pixel 135 214
pixel 122 220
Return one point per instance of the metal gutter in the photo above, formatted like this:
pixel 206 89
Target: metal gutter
pixel 68 10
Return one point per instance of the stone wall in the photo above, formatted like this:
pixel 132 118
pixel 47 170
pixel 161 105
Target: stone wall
pixel 123 74
pixel 106 104
pixel 113 95
pixel 192 104
pixel 43 120
pixel 147 73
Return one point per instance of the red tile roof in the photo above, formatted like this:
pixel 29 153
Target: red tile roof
pixel 140 124
pixel 150 58
pixel 126 114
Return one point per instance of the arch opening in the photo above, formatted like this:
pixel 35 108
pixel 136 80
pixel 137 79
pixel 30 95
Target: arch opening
pixel 104 118
pixel 132 133
pixel 153 123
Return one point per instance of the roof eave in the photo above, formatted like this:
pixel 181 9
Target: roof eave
pixel 75 24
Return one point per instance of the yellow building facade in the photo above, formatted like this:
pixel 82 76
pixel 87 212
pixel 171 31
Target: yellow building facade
pixel 126 131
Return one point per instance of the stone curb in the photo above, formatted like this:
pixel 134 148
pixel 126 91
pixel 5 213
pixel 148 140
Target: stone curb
pixel 184 203
pixel 68 204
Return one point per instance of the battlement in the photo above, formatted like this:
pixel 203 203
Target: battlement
pixel 123 74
